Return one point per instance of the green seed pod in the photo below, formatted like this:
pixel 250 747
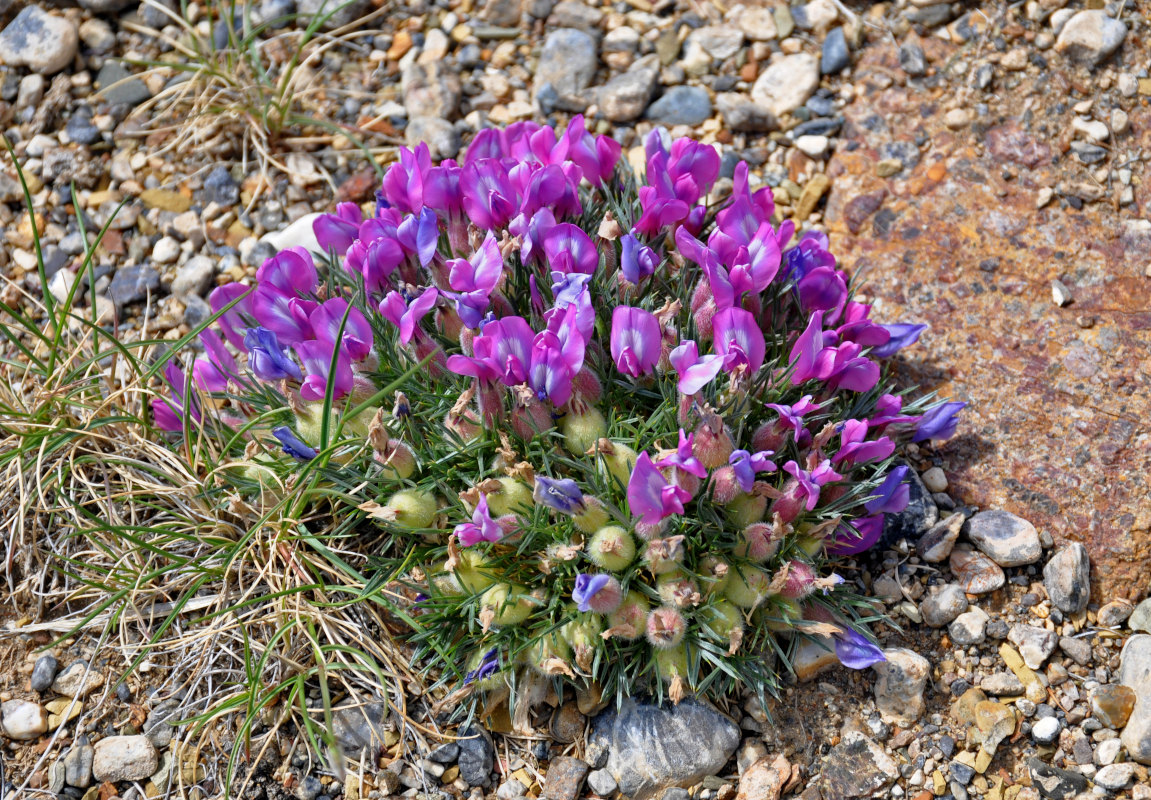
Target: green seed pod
pixel 678 590
pixel 723 618
pixel 617 461
pixel 746 509
pixel 716 572
pixel 672 663
pixel 746 586
pixel 583 631
pixel 473 572
pixel 611 548
pixel 782 615
pixel 513 497
pixel 629 621
pixel 511 604
pixel 547 647
pixel 412 508
pixel 594 516
pixel 581 431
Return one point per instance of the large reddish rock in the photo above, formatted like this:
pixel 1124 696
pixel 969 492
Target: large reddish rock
pixel 1058 429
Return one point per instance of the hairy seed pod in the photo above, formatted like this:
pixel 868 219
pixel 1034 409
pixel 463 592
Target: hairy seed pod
pixel 594 516
pixel 511 604
pixel 746 586
pixel 665 627
pixel 511 498
pixel 629 621
pixel 473 571
pixel 756 543
pixel 712 444
pixel 611 548
pixel 411 508
pixel 581 431
pixel 746 509
pixel 800 580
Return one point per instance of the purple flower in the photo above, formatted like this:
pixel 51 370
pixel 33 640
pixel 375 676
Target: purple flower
pixel 489 665
pixel 683 458
pixel 596 156
pixel 404 180
pixel 856 537
pixel 482 528
pixel 560 494
pixel 212 370
pixel 811 253
pixel 809 359
pixel 291 271
pixel 939 422
pixel 568 249
pixel 739 339
pixel 442 190
pixel 316 357
pixel 550 186
pixel 474 280
pixel 747 464
pixel 636 340
pixel 892 495
pixel 650 496
pixel 856 327
pixel 853 449
pixel 293 445
pixel 693 164
pixel 532 231
pixel 396 310
pixel 809 483
pixel 746 212
pixel 637 261
pixel 695 371
pixel 489 198
pixel 375 259
pixel 231 322
pixel 851 371
pixel 326 320
pixel 267 359
pixel 169 413
pixel 338 231
pixel 503 352
pixel 855 651
pixel 792 416
pixel 586 587
pixel 420 234
pixel 887 411
pixel 823 289
pixel 282 313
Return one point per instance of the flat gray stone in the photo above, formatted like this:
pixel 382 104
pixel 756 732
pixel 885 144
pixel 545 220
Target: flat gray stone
pixel 43 42
pixel 1135 671
pixel 1067 578
pixel 1009 541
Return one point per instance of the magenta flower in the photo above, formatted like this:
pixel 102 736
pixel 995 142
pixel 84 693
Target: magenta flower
pixel 851 371
pixel 474 279
pixel 809 483
pixel 316 356
pixel 532 231
pixel 856 537
pixel 419 235
pixel 169 413
pixel 853 449
pixel 291 271
pixel 546 187
pixel 489 198
pixel 809 359
pixel 683 458
pixel 596 156
pixel 739 339
pixel 375 259
pixel 568 249
pixel 405 316
pixel 695 371
pixel 326 320
pixel 442 190
pixel 285 315
pixel 482 528
pixel 856 327
pixel 338 231
pixel 232 321
pixel 213 370
pixel 404 180
pixel 747 464
pixel 791 417
pixel 636 340
pixel 744 215
pixel 939 422
pixel 823 289
pixel 503 352
pixel 650 496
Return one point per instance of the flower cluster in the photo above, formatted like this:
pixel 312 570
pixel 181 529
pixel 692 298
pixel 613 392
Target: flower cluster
pixel 615 433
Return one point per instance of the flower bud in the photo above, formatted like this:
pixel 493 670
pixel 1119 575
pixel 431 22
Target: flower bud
pixel 594 516
pixel 531 419
pixel 511 497
pixel 769 436
pixel 647 531
pixel 587 387
pixel 398 459
pixel 756 543
pixel 800 577
pixel 791 504
pixel 704 317
pixel 712 444
pixel 725 486
pixel 411 508
pixel 465 425
pixel 629 621
pixel 581 431
pixel 665 627
pixel 611 548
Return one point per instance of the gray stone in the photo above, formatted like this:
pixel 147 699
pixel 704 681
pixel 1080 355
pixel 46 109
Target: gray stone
pixel 935 545
pixel 1046 730
pixel 430 90
pixel 221 188
pixel 502 12
pixel 44 672
pixel 78 763
pixel 22 720
pixel 441 136
pixel 477 756
pixel 133 283
pixel 1009 540
pixel 786 84
pixel 564 778
pixel 196 309
pixel 158 726
pixel 741 114
pixel 681 105
pixel 1001 683
pixel 575 14
pixel 358 727
pixel 1135 672
pixel 105 6
pixel 153 17
pixel 81 130
pixel 166 250
pixel 857 767
pixel 124 758
pixel 1115 776
pixel 899 686
pixel 651 748
pixel 445 753
pixel 1055 783
pixel 78 681
pixel 1035 644
pixel 1079 650
pixel 343 12
pixel 1090 37
pixel 567 62
pixel 602 783
pixel 1067 578
pixel 834 56
pixel 1140 619
pixel 309 788
pixel 720 41
pixel 921 512
pixel 117 85
pixel 913 61
pixel 624 97
pixel 975 572
pixel 942 606
pixel 43 42
pixel 1114 614
pixel 969 627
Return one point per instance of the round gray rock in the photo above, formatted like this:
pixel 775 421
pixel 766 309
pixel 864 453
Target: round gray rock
pixel 681 105
pixel 1009 540
pixel 43 42
pixel 1067 578
pixel 1090 36
pixel 567 62
pixel 899 686
pixel 942 606
pixel 124 758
